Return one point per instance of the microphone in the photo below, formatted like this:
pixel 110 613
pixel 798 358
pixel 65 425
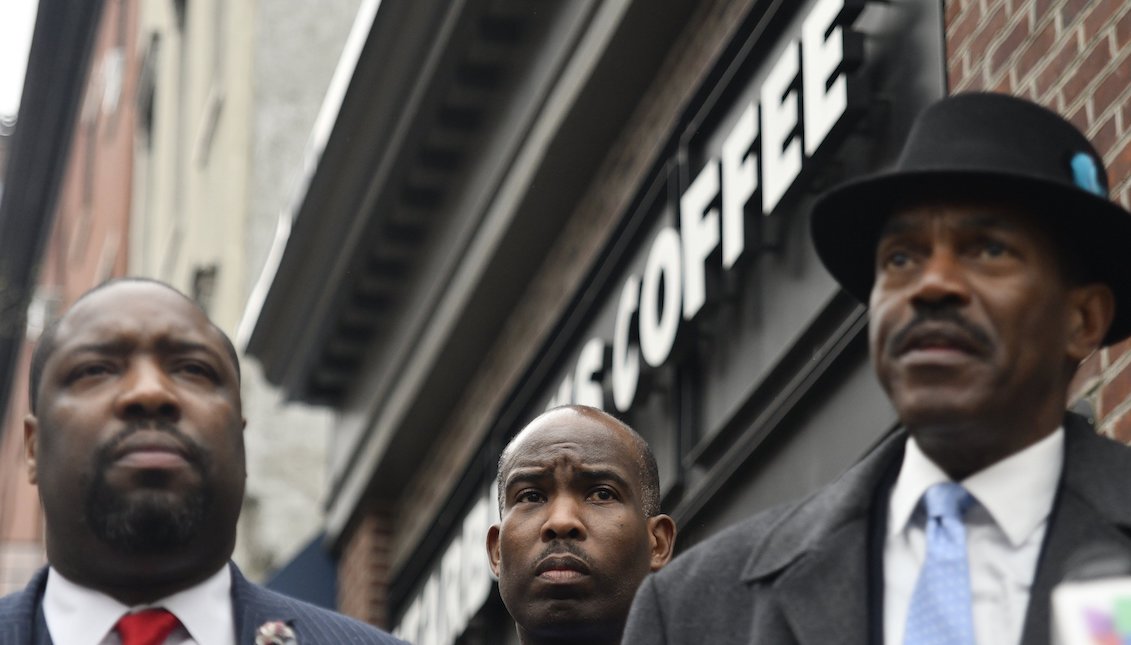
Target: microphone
pixel 1092 605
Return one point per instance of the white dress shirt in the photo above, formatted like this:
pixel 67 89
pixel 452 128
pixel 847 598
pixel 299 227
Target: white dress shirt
pixel 1004 530
pixel 80 616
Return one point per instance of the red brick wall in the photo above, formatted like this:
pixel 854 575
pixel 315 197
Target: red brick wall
pixel 363 570
pixel 1073 56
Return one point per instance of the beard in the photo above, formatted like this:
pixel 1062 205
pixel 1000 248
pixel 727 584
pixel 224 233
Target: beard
pixel 152 520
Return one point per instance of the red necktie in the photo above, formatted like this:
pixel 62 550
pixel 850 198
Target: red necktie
pixel 147 627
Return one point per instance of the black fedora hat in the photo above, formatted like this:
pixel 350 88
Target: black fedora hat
pixel 993 145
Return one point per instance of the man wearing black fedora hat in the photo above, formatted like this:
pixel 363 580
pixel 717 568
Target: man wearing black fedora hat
pixel 990 257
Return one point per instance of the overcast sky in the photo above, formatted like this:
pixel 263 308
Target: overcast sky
pixel 17 18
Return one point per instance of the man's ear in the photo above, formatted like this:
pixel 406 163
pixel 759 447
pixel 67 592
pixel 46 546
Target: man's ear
pixel 493 548
pixel 661 530
pixel 31 433
pixel 1091 310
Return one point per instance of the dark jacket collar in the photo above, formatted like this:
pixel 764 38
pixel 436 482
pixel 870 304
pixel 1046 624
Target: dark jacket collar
pixel 849 498
pixel 1092 463
pixel 817 553
pixel 846 500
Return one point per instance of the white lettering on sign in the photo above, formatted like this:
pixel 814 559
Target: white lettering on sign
pixel 774 133
pixel 802 99
pixel 458 586
pixel 740 176
pixel 823 56
pixel 659 313
pixel 587 377
pixel 781 149
pixel 626 362
pixel 699 230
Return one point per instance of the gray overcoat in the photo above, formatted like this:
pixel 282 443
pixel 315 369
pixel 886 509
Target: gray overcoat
pixel 808 572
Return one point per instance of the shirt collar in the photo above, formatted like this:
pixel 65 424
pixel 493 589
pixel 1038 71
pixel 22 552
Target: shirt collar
pixel 206 609
pixel 1017 491
pixel 83 616
pixel 76 614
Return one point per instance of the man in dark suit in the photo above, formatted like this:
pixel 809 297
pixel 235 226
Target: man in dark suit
pixel 579 501
pixel 993 263
pixel 135 441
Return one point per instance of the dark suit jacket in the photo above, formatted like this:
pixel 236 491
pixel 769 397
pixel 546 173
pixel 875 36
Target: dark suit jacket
pixel 22 622
pixel 809 573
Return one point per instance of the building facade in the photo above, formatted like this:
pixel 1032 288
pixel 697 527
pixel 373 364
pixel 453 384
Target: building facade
pixel 87 245
pixel 606 203
pixel 230 92
pixel 500 210
pixel 193 121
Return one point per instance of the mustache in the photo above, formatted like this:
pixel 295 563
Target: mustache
pixel 948 315
pixel 195 455
pixel 563 547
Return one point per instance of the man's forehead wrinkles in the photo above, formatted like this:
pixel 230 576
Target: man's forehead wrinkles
pixel 527 473
pixel 184 345
pixel 600 466
pixel 126 336
pixel 116 344
pixel 579 470
pixel 543 459
pixel 540 453
pixel 539 450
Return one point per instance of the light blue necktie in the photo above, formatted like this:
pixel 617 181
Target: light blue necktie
pixel 941 611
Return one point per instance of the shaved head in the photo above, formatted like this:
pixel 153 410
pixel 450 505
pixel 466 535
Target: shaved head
pixel 48 340
pixel 642 452
pixel 579 526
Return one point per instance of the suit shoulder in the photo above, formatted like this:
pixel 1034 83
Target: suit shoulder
pixel 701 595
pixel 1095 470
pixel 316 622
pixel 11 601
pixel 722 555
pixel 17 616
pixel 24 601
pixel 12 604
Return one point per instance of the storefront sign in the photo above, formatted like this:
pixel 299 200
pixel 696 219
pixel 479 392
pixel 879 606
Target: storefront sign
pixel 693 258
pixel 458 585
pixel 803 98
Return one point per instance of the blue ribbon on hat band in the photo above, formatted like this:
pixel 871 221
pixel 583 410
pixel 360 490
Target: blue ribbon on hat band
pixel 1086 174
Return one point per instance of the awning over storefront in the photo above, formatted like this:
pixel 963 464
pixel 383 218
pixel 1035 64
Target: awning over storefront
pixel 405 250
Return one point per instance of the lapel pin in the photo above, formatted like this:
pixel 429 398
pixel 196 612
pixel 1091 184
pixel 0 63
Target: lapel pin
pixel 275 632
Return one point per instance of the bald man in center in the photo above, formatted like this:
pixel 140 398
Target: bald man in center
pixel 580 528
